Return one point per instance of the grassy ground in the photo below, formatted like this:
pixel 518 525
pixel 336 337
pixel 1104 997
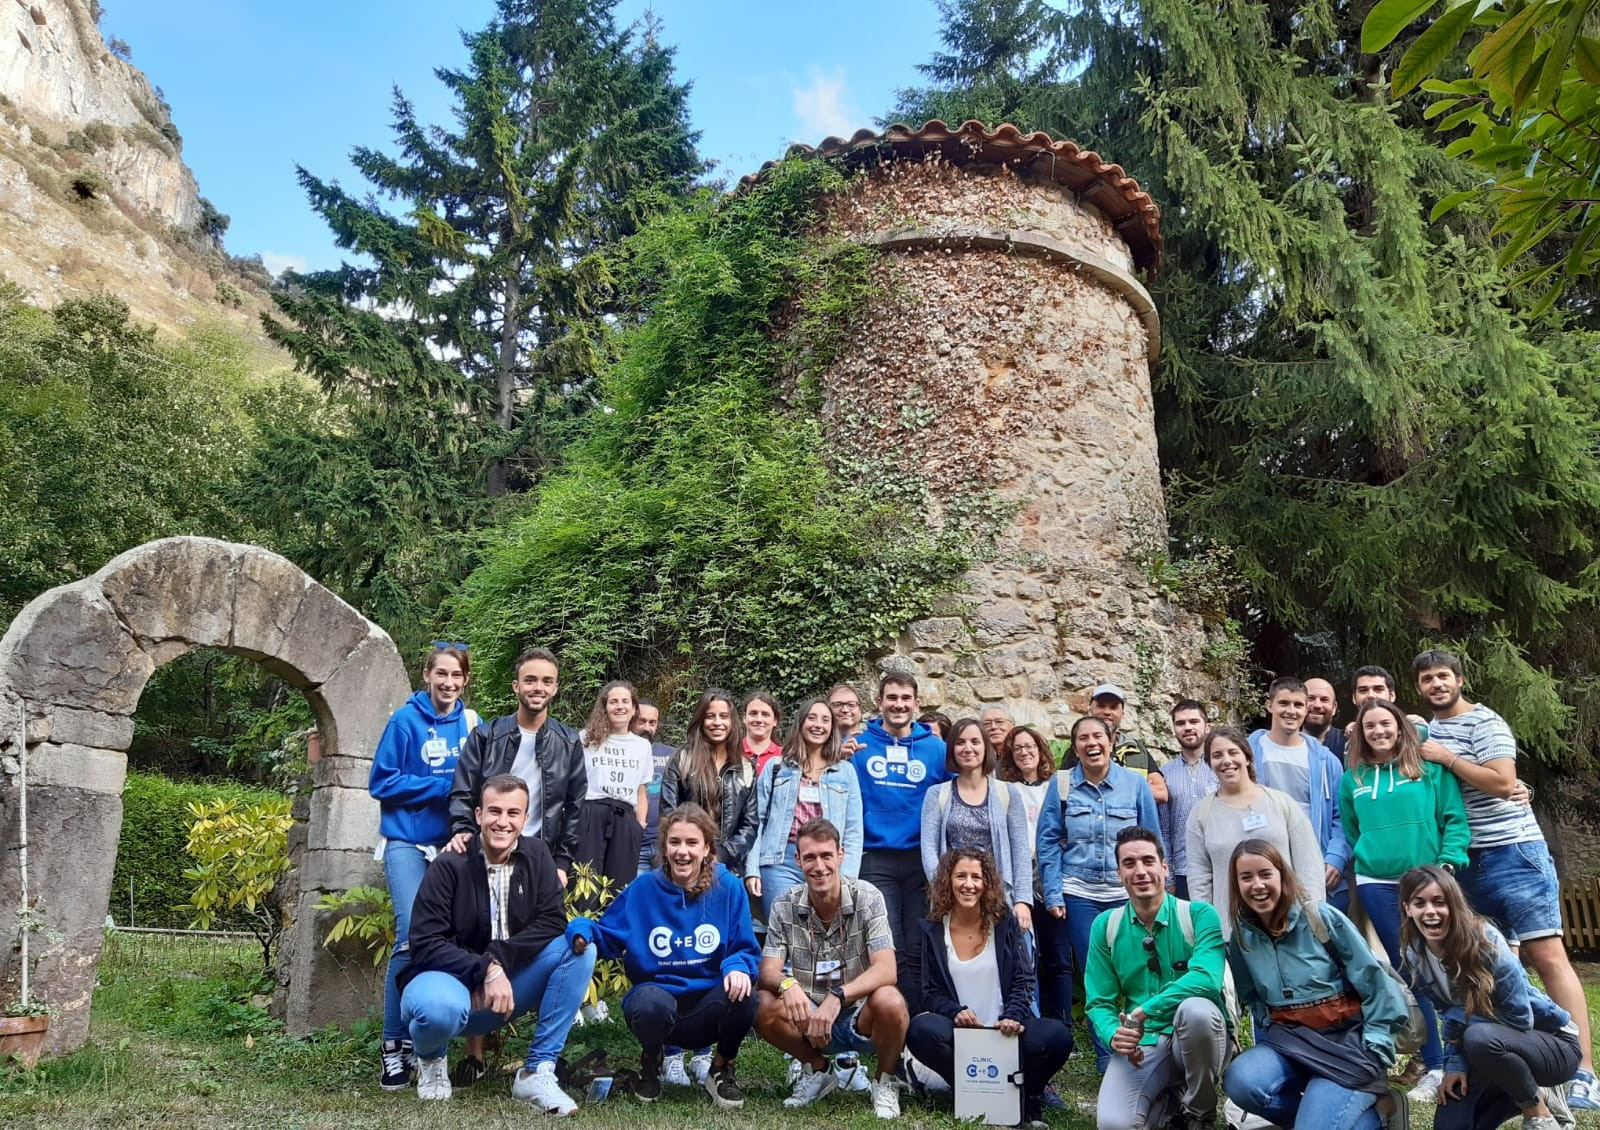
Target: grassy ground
pixel 179 1038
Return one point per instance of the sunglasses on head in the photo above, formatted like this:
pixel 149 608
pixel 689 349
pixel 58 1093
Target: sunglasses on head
pixel 437 644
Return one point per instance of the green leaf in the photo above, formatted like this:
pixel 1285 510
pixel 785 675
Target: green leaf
pixel 1586 58
pixel 1432 48
pixel 1556 59
pixel 1439 107
pixel 1504 55
pixel 1388 19
pixel 1451 203
pixel 1456 86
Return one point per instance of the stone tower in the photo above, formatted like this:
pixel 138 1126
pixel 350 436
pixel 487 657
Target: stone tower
pixel 1004 372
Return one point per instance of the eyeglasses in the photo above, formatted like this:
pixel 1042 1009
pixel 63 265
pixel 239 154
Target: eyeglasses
pixel 437 644
pixel 1152 962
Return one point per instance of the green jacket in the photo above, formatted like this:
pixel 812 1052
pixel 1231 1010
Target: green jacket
pixel 1121 980
pixel 1394 823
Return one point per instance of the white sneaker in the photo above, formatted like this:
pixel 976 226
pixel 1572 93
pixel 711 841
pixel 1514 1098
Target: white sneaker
pixel 673 1074
pixel 852 1076
pixel 1427 1088
pixel 791 1068
pixel 699 1068
pixel 811 1086
pixel 1240 1119
pixel 886 1097
pixel 1556 1099
pixel 539 1088
pixel 433 1078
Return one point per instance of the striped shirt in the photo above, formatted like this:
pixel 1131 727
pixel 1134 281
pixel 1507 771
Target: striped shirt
pixel 1482 736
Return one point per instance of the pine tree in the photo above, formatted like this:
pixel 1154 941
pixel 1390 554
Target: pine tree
pixel 457 348
pixel 1346 396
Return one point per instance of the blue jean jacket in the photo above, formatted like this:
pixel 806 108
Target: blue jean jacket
pixel 1078 834
pixel 1517 1004
pixel 777 791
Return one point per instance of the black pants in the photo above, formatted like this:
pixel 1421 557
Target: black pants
pixel 609 834
pixel 897 874
pixel 1505 1069
pixel 1045 1047
pixel 693 1020
pixel 1053 959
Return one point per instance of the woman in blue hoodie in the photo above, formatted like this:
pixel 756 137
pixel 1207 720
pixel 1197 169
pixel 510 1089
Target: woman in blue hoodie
pixel 1508 1047
pixel 684 936
pixel 410 779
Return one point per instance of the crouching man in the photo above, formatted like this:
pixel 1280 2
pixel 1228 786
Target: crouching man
pixel 833 933
pixel 488 945
pixel 1153 993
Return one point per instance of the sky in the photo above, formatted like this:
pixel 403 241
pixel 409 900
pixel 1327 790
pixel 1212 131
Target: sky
pixel 260 86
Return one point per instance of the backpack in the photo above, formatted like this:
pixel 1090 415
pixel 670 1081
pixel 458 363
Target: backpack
pixel 1407 1041
pixel 1230 996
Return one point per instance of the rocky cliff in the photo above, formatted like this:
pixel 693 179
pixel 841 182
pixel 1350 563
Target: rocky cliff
pixel 94 193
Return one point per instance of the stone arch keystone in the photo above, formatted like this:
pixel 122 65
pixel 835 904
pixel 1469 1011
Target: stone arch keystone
pixel 72 667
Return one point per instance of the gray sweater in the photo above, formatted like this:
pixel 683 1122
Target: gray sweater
pixel 1215 829
pixel 1008 832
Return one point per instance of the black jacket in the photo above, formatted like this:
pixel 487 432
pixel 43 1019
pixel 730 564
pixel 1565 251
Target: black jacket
pixel 737 834
pixel 931 961
pixel 450 929
pixel 491 749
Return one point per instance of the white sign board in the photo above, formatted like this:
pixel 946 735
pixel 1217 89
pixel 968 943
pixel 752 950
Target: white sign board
pixel 988 1082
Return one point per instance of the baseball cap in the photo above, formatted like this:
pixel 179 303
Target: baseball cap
pixel 1110 689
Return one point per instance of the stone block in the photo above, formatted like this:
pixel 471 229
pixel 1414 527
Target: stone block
pixel 354 703
pixel 68 647
pixel 1042 683
pixel 339 870
pixel 267 596
pixel 324 633
pixel 319 986
pixel 342 820
pixel 77 767
pixel 342 772
pixel 175 589
pixel 988 690
pixel 996 621
pixel 969 663
pixel 937 631
pixel 1002 662
pixel 67 725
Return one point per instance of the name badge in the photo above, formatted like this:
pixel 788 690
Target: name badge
pixel 811 794
pixel 1253 820
pixel 898 754
pixel 824 968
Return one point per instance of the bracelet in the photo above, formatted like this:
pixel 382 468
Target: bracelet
pixel 786 984
pixel 1452 766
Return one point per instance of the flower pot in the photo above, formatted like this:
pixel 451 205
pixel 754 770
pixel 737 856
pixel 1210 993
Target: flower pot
pixel 22 1038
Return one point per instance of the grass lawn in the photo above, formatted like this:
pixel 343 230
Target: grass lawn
pixel 179 1039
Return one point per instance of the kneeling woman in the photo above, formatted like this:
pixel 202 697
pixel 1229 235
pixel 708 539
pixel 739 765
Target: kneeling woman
pixel 1326 1015
pixel 1504 1039
pixel 684 936
pixel 975 973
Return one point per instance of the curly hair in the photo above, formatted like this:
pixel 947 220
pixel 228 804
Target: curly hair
pixel 701 819
pixel 941 892
pixel 1008 763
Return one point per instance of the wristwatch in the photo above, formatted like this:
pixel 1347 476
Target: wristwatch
pixel 1448 868
pixel 838 991
pixel 786 984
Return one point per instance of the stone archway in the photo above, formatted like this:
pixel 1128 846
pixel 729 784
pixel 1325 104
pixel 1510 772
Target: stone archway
pixel 72 666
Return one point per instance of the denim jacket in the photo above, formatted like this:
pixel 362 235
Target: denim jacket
pixel 777 791
pixel 1517 1004
pixel 1078 835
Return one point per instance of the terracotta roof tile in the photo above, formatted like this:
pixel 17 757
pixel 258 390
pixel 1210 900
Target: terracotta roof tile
pixel 1117 195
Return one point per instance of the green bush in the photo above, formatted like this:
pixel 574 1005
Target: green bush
pixel 150 852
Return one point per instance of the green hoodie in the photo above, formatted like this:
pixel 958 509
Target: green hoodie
pixel 1394 823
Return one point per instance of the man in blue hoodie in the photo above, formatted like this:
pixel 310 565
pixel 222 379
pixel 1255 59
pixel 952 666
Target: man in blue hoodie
pixel 1293 762
pixel 900 759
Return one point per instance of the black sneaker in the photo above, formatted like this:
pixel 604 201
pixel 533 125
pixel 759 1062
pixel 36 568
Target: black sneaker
pixel 723 1087
pixel 469 1070
pixel 648 1088
pixel 396 1070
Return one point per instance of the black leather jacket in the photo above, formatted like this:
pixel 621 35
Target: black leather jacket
pixel 491 749
pixel 739 817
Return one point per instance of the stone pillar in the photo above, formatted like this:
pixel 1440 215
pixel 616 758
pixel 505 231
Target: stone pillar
pixel 73 664
pixel 1003 371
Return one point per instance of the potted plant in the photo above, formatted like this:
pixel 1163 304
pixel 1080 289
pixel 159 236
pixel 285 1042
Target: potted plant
pixel 25 1023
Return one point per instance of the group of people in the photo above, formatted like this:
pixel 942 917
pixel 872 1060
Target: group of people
pixel 865 887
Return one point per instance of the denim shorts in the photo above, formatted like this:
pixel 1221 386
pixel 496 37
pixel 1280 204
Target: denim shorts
pixel 845 1038
pixel 1515 885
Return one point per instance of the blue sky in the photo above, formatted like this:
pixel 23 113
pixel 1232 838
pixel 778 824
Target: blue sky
pixel 258 86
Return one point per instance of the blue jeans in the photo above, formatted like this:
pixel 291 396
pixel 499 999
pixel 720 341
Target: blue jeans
pixel 1266 1084
pixel 1382 903
pixel 1516 886
pixel 437 1007
pixel 778 878
pixel 1081 913
pixel 403 868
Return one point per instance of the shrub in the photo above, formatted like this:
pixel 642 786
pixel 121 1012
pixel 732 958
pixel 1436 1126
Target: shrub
pixel 241 850
pixel 150 851
pixel 89 183
pixel 230 295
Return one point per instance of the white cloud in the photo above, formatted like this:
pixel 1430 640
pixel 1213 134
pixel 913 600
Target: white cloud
pixel 277 263
pixel 822 109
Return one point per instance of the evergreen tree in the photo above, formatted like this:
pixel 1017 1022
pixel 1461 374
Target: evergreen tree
pixel 461 343
pixel 1346 394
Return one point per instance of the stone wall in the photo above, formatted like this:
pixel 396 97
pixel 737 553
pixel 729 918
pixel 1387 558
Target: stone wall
pixel 72 666
pixel 1004 369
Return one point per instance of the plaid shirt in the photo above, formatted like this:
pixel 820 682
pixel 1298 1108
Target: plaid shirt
pixel 822 955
